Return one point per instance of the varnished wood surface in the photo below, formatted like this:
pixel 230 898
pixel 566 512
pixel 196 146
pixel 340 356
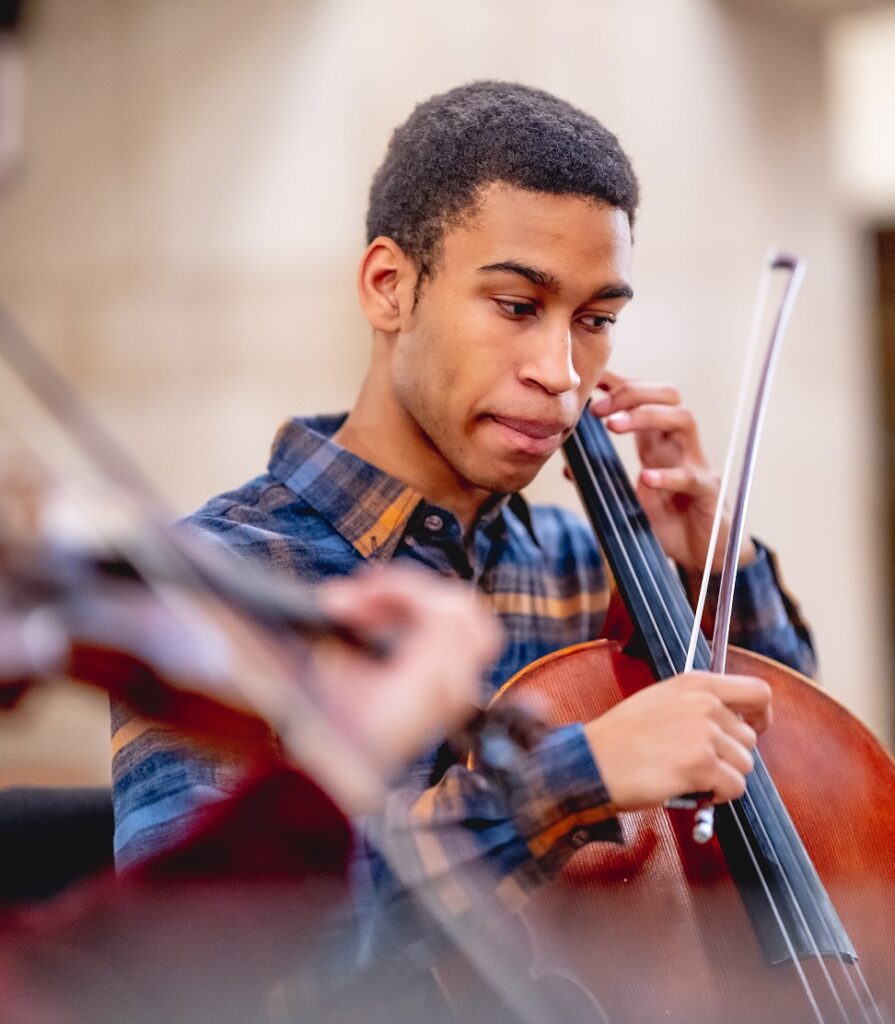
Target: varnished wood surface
pixel 656 928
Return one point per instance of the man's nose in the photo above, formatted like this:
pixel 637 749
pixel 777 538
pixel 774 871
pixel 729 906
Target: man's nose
pixel 550 365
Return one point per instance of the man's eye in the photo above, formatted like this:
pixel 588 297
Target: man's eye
pixel 517 310
pixel 595 322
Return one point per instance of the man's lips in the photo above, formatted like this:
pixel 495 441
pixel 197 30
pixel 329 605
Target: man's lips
pixel 534 437
pixel 532 428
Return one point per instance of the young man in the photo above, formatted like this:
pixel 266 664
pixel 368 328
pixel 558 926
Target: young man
pixel 498 263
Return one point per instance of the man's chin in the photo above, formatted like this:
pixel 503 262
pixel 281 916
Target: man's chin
pixel 506 480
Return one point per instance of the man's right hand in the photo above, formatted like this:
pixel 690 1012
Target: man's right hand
pixel 443 639
pixel 691 734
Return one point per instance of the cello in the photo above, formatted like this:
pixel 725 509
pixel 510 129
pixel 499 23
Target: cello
pixel 787 912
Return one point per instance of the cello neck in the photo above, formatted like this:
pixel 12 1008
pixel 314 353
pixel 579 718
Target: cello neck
pixel 647 582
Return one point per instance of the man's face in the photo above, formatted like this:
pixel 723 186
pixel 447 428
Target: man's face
pixel 512 333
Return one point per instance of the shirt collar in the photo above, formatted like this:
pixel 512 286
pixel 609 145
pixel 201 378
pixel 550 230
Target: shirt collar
pixel 367 506
pixel 519 507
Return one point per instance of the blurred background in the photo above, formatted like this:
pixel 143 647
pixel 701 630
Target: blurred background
pixel 183 235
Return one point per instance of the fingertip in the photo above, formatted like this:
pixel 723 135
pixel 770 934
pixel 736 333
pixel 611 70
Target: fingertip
pixel 735 785
pixel 651 477
pixel 761 722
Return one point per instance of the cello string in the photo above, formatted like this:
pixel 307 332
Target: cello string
pixel 843 966
pixel 806 985
pixel 758 779
pixel 796 270
pixel 677 594
pixel 590 469
pixel 620 521
pixel 677 598
pixel 600 469
pixel 669 587
pixel 816 954
pixel 790 837
pixel 878 1010
pixel 670 593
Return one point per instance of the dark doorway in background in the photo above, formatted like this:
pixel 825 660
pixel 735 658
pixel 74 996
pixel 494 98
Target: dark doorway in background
pixel 885 260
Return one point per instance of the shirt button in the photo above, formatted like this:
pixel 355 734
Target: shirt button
pixel 410 541
pixel 579 838
pixel 433 523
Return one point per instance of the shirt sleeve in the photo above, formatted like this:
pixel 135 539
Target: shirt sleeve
pixel 159 783
pixel 765 617
pixel 511 830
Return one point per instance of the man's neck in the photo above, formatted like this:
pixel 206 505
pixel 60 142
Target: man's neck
pixel 383 434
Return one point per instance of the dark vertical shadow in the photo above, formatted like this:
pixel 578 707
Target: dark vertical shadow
pixel 885 306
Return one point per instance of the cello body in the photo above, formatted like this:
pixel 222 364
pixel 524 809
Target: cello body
pixel 657 928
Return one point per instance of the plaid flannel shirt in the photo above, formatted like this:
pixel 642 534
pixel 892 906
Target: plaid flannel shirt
pixel 321 511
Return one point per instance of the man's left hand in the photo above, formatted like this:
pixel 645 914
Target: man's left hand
pixel 676 486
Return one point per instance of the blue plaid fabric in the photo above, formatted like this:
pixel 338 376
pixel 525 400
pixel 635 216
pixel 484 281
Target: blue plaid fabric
pixel 321 511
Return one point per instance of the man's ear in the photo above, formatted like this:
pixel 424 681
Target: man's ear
pixel 386 283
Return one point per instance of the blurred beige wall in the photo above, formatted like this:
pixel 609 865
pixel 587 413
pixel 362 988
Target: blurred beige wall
pixel 861 60
pixel 183 243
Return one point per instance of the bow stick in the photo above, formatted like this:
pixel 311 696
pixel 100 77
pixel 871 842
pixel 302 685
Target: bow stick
pixel 703 826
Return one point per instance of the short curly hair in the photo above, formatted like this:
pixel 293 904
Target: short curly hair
pixel 457 142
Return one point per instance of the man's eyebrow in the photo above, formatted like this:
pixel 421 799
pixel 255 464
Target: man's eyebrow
pixel 614 291
pixel 550 282
pixel 542 278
